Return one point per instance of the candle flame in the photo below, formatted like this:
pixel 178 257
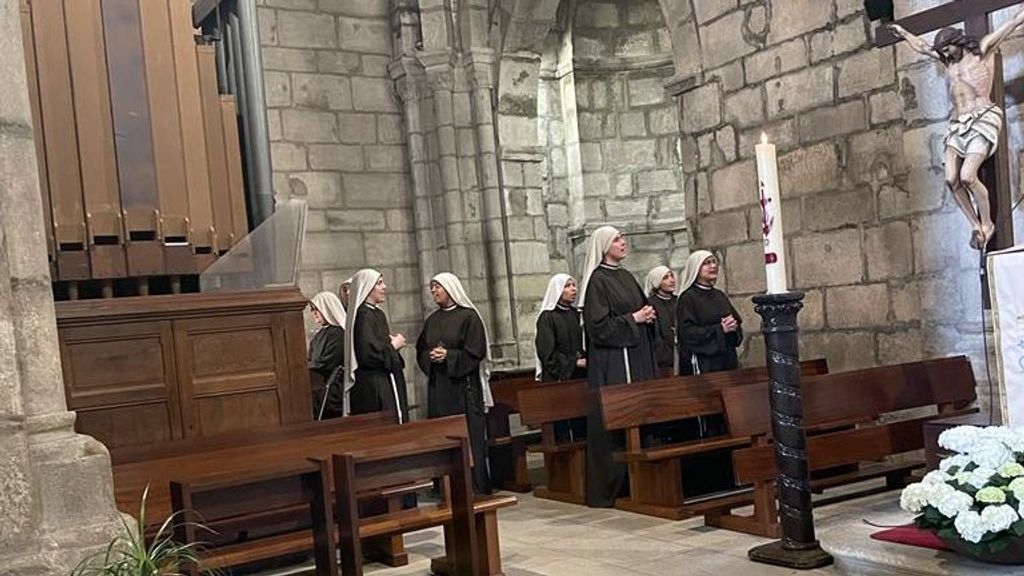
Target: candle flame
pixel 764 138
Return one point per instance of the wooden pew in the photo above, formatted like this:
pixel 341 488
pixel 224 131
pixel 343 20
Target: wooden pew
pixel 867 398
pixel 507 452
pixel 194 501
pixel 375 470
pixel 265 519
pixel 565 462
pixel 656 473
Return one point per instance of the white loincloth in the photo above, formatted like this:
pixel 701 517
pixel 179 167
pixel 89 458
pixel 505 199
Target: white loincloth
pixel 976 133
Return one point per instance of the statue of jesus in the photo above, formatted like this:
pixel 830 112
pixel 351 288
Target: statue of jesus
pixel 976 121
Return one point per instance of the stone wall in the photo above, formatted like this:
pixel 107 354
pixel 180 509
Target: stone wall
pixel 56 491
pixel 872 236
pixel 338 141
pixel 629 128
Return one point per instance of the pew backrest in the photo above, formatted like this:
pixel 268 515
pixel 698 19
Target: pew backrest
pixel 553 402
pixel 848 398
pixel 680 397
pixel 859 395
pixel 272 450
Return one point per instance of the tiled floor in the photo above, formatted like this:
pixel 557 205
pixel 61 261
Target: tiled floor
pixel 542 537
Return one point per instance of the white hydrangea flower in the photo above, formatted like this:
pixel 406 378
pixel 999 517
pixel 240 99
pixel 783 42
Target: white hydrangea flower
pixel 949 501
pixel 1011 470
pixel 915 497
pixel 990 453
pixel 960 439
pixel 936 477
pixel 960 460
pixel 970 526
pixel 998 518
pixel 978 478
pixel 1017 487
pixel 991 495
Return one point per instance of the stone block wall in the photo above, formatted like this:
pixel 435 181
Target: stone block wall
pixel 629 128
pixel 338 141
pixel 872 236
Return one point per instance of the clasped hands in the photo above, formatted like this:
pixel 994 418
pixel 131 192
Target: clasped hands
pixel 645 315
pixel 438 354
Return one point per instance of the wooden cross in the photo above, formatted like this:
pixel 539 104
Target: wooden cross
pixel 995 173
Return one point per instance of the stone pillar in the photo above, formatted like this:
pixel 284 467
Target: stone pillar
pixel 57 500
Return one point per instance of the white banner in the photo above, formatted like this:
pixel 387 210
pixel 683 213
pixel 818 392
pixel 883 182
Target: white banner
pixel 1006 286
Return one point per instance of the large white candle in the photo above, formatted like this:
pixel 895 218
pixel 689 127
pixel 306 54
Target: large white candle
pixel 771 216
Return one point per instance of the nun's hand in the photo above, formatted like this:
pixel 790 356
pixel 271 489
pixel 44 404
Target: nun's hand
pixel 397 341
pixel 645 315
pixel 438 355
pixel 581 363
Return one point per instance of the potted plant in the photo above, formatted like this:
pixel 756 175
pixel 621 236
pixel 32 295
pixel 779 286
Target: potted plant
pixel 974 502
pixel 129 554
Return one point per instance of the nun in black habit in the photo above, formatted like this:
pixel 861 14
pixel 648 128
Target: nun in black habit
pixel 660 287
pixel 709 331
pixel 373 373
pixel 561 354
pixel 454 352
pixel 619 324
pixel 708 326
pixel 327 354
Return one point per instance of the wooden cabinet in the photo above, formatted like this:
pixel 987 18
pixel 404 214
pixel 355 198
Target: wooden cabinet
pixel 146 370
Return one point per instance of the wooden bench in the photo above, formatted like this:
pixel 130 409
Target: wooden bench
pixel 656 472
pixel 506 451
pixel 265 520
pixel 565 462
pixel 370 470
pixel 854 415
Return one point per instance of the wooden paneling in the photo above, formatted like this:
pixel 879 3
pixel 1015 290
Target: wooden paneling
pixel 32 78
pixel 216 154
pixel 232 368
pixel 62 160
pixel 95 128
pixel 197 170
pixel 122 381
pixel 208 363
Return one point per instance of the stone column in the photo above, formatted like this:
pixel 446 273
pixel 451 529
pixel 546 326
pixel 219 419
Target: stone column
pixel 57 500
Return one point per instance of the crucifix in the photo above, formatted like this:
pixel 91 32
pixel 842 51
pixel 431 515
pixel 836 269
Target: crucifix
pixel 977 152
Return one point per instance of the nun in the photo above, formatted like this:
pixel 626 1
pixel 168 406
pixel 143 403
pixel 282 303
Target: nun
pixel 709 331
pixel 709 328
pixel 620 328
pixel 454 352
pixel 373 372
pixel 561 354
pixel 559 342
pixel 660 287
pixel 327 354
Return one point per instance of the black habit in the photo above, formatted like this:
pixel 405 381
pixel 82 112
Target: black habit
pixel 612 297
pixel 378 366
pixel 327 354
pixel 699 315
pixel 454 386
pixel 560 344
pixel 665 351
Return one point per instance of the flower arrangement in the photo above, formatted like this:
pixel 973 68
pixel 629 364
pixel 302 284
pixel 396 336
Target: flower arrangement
pixel 976 496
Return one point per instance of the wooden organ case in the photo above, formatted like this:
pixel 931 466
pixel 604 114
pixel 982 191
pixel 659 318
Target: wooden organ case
pixel 143 187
